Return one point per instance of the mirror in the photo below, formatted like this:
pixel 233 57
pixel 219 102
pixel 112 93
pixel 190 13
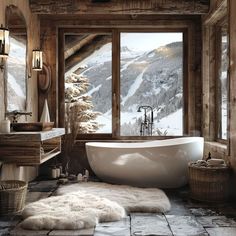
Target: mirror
pixel 16 68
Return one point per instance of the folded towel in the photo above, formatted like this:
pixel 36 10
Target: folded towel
pixel 216 162
pixel 200 163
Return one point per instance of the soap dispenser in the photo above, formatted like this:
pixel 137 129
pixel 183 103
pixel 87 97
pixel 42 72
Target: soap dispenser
pixel 5 126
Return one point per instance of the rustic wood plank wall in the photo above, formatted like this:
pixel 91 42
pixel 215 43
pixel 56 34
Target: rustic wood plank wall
pixel 49 43
pixel 33 31
pixel 52 24
pixel 227 150
pixel 120 7
pixel 209 84
pixel 210 63
pixel 232 86
pixel 50 52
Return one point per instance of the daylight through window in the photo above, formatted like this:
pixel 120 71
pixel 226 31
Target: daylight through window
pixel 150 82
pixel 223 84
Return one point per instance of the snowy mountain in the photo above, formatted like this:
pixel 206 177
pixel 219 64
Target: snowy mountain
pixel 151 78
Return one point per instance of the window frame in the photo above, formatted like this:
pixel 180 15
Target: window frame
pixel 219 28
pixel 183 72
pixel 115 134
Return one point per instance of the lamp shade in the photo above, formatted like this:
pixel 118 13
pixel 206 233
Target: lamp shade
pixel 37 61
pixel 4 42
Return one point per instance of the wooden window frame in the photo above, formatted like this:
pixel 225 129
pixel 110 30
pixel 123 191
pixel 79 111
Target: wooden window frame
pixel 115 134
pixel 218 34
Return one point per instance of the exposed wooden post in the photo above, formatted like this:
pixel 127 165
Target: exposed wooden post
pixel 232 83
pixel 120 7
pixel 49 52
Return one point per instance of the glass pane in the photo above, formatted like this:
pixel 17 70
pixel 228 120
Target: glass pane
pixel 16 73
pixel 223 81
pixel 151 84
pixel 88 80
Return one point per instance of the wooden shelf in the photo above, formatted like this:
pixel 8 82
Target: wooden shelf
pixel 30 148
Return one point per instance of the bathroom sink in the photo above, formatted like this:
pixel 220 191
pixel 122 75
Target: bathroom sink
pixel 33 126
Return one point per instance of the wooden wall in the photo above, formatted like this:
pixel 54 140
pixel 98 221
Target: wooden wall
pixel 232 85
pixel 33 31
pixel 50 26
pixel 225 150
pixel 209 70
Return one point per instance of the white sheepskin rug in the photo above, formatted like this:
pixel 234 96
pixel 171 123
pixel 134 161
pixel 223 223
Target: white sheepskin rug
pixel 83 205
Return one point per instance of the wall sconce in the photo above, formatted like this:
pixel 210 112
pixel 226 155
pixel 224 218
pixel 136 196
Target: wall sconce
pixel 37 60
pixel 4 45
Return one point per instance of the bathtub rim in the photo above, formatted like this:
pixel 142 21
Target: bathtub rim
pixel 145 143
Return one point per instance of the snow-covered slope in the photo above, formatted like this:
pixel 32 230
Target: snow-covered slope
pixel 151 78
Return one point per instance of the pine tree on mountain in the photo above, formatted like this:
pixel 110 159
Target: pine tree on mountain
pixel 79 106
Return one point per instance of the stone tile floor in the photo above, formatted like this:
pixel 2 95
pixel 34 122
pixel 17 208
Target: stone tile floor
pixel 185 218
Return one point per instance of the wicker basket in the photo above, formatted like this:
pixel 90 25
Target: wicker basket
pixel 210 184
pixel 12 196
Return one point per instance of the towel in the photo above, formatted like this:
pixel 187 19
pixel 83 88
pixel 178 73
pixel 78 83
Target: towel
pixel 216 162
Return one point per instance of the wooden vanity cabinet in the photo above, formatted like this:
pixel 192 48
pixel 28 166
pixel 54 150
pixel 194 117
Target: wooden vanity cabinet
pixel 30 148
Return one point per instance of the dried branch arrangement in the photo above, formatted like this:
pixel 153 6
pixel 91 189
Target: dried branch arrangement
pixel 79 116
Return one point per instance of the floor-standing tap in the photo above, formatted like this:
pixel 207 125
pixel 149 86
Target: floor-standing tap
pixel 147 123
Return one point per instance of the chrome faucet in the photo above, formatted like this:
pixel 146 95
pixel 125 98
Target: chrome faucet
pixel 16 114
pixel 147 123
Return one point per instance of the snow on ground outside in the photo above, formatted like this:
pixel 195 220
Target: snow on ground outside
pixel 133 88
pixel 173 123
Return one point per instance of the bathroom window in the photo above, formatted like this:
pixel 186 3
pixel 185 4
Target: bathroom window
pixel 222 80
pixel 151 83
pixel 88 80
pixel 118 76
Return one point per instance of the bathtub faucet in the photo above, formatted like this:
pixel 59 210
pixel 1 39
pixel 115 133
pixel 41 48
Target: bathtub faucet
pixel 147 122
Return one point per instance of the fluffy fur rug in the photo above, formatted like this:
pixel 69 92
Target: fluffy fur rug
pixel 85 204
pixel 131 198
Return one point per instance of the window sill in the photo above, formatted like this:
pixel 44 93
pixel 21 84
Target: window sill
pixel 217 150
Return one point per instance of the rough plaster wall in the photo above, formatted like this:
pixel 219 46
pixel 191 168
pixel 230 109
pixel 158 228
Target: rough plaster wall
pixel 33 32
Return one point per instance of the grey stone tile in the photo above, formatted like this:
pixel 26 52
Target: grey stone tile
pixel 82 232
pixel 116 228
pixel 178 208
pixel 222 231
pixel 149 224
pixel 35 196
pixel 216 221
pixel 228 211
pixel 4 232
pixel 18 231
pixel 185 225
pixel 44 186
pixel 5 224
pixel 197 204
pixel 203 211
pixel 9 222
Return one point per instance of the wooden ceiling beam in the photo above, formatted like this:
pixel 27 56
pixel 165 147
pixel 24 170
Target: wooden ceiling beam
pixel 90 45
pixel 76 45
pixel 81 7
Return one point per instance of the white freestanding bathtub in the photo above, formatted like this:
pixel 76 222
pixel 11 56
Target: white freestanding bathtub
pixel 162 164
